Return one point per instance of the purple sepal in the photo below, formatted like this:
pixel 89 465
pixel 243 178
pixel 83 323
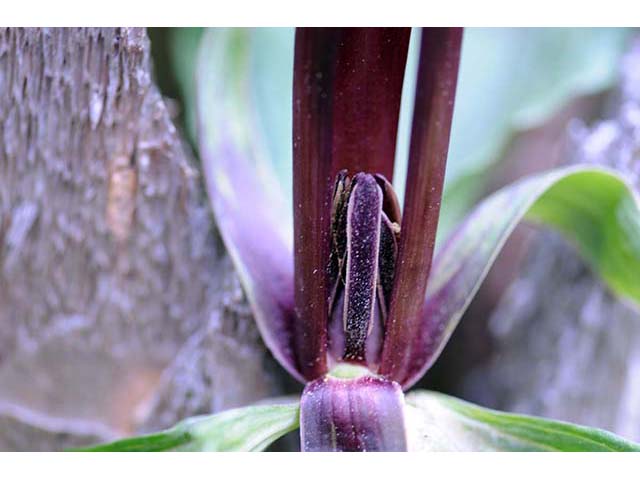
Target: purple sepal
pixel 250 211
pixel 364 414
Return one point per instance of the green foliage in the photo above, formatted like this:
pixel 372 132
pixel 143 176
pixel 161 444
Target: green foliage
pixel 436 422
pixel 249 429
pixel 443 423
pixel 594 208
pixel 601 214
pixel 183 47
pixel 515 78
pixel 511 79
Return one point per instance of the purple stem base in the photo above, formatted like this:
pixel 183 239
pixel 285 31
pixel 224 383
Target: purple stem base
pixel 364 414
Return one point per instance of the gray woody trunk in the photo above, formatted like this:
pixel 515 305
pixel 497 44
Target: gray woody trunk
pixel 119 310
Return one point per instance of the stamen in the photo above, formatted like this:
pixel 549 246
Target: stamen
pixel 365 232
pixel 387 262
pixel 338 235
pixel 363 243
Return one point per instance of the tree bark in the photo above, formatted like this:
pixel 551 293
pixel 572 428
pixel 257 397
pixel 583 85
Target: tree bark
pixel 119 309
pixel 562 345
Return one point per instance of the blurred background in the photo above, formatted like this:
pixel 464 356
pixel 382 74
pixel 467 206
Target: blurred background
pixel 120 311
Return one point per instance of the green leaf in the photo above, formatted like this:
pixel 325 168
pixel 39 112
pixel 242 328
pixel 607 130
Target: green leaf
pixel 249 429
pixel 511 79
pixel 443 423
pixel 600 213
pixel 270 76
pixel 271 72
pixel 183 46
pixel 595 208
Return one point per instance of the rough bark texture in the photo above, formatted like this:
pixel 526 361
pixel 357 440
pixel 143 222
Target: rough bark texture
pixel 563 347
pixel 119 310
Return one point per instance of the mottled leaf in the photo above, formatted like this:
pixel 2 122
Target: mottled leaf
pixel 248 429
pixel 594 208
pixel 442 423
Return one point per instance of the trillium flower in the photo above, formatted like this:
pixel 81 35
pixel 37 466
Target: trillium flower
pixel 345 288
pixel 346 300
pixel 352 290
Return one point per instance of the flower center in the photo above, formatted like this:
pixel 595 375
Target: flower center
pixel 365 229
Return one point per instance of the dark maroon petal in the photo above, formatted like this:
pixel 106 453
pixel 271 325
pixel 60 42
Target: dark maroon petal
pixel 435 93
pixel 251 217
pixel 369 72
pixel 352 415
pixel 313 174
pixel 347 87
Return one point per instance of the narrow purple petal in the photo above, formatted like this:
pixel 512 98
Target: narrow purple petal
pixel 347 89
pixel 436 86
pixel 313 174
pixel 365 414
pixel 250 211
